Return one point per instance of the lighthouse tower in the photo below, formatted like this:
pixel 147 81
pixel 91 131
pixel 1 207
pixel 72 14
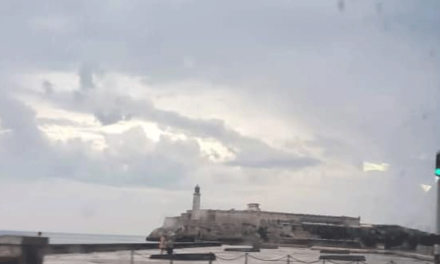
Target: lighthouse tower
pixel 196 203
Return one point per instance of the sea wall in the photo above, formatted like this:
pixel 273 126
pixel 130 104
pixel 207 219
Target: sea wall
pixel 89 248
pixel 413 255
pixel 322 243
pixel 425 250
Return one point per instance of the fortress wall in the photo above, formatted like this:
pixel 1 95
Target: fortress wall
pixel 254 218
pixel 332 220
pixel 185 216
pixel 203 215
pixel 300 218
pixel 171 222
pixel 274 218
pixel 236 217
pixel 192 217
pixel 263 218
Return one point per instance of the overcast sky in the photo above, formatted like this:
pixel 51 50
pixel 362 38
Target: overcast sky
pixel 112 111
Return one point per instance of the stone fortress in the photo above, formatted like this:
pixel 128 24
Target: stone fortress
pixel 241 226
pixel 231 225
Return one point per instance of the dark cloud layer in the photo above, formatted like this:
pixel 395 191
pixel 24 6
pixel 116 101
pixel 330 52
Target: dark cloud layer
pixel 125 162
pixel 26 153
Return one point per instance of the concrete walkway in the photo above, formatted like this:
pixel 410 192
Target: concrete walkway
pixel 381 251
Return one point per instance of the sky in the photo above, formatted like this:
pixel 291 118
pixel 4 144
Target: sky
pixel 112 111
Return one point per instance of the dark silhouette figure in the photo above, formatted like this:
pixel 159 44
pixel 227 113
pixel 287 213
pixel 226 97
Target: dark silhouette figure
pixel 170 246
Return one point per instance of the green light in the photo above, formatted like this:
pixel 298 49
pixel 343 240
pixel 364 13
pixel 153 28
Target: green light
pixel 437 172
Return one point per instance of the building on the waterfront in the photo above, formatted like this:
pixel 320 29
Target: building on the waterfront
pixel 229 223
pixel 238 226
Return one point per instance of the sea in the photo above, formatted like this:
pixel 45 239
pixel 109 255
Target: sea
pixel 72 238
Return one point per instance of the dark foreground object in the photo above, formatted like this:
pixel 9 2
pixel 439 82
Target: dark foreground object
pixel 343 257
pixel 334 251
pixel 242 249
pixel 187 257
pixel 89 248
pixel 9 260
pixel 22 249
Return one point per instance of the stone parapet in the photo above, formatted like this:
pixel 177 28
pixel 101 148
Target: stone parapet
pixel 23 250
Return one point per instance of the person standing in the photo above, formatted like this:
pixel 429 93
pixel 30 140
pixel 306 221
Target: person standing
pixel 162 244
pixel 170 246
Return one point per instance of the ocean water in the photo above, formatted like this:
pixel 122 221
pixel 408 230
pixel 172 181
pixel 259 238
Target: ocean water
pixel 70 238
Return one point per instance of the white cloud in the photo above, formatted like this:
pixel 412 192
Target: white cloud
pixel 368 166
pixel 426 187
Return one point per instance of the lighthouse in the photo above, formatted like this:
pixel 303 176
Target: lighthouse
pixel 196 203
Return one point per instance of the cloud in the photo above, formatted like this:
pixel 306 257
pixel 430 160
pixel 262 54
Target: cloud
pixel 48 87
pixel 86 77
pixel 111 117
pixel 368 166
pixel 127 160
pixel 426 187
pixel 251 152
pixel 361 83
pixel 264 160
pixel 24 137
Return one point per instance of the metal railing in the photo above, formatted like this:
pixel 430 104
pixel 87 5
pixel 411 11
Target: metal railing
pixel 135 256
